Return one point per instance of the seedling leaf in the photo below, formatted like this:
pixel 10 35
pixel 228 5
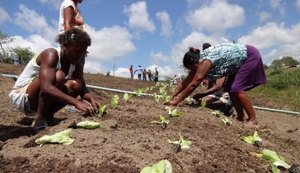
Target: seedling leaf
pixel 215 113
pixel 115 101
pixel 88 124
pixel 226 121
pixel 184 144
pixel 203 104
pixel 101 111
pixel 162 120
pixel 252 139
pixel 163 166
pixel 62 137
pixel 126 97
pixel 274 159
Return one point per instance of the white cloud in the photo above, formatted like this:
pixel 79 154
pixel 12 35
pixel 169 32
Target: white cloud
pixel 35 42
pixel 139 17
pixel 3 16
pixel 264 16
pixel 166 26
pixel 276 4
pixel 158 57
pixel 110 43
pixel 298 4
pixel 33 22
pixel 52 3
pixel 275 41
pixel 218 16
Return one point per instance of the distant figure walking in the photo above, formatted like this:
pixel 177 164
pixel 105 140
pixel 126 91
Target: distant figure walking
pixel 139 72
pixel 156 75
pixel 131 71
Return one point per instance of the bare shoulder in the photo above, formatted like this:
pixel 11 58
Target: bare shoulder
pixel 49 55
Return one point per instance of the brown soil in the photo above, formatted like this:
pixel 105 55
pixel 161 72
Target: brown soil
pixel 127 142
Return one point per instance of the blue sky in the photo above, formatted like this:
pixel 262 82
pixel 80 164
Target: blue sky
pixel 156 33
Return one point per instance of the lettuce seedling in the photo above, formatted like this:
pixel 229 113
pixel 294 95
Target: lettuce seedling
pixel 272 157
pixel 101 110
pixel 167 98
pixel 253 139
pixel 215 113
pixel 62 137
pixel 157 97
pixel 173 113
pixel 115 101
pixel 163 166
pixel 181 144
pixel 163 121
pixel 203 104
pixel 190 100
pixel 226 121
pixel 139 91
pixel 126 97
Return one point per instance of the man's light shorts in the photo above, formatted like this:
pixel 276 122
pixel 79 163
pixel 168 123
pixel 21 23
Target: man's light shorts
pixel 19 98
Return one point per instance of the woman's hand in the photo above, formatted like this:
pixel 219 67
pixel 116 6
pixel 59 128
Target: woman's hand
pixel 173 102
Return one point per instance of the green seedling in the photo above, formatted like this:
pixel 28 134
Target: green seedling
pixel 173 113
pixel 163 121
pixel 139 92
pixel 215 113
pixel 85 125
pixel 167 98
pixel 62 137
pixel 272 157
pixel 157 97
pixel 190 100
pixel 181 144
pixel 115 101
pixel 163 166
pixel 203 104
pixel 253 139
pixel 226 122
pixel 126 97
pixel 101 111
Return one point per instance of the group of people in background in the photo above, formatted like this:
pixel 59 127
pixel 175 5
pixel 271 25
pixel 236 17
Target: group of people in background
pixel 143 74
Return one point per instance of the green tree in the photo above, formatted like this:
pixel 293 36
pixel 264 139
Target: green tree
pixel 24 54
pixel 4 38
pixel 285 61
pixel 289 61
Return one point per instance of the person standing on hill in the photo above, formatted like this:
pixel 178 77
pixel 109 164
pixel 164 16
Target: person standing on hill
pixel 131 71
pixel 149 75
pixel 241 64
pixel 139 72
pixel 53 79
pixel 144 75
pixel 156 75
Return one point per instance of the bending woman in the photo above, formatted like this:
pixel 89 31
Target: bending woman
pixel 241 64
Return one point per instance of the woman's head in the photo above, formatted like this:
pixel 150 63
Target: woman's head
pixel 74 37
pixel 192 56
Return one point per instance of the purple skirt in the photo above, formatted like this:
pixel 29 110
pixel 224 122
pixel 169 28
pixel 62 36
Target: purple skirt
pixel 249 75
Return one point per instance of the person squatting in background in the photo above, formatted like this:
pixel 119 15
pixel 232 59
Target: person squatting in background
pixel 241 64
pixel 53 79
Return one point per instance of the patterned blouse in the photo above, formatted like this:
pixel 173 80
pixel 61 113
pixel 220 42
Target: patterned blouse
pixel 226 59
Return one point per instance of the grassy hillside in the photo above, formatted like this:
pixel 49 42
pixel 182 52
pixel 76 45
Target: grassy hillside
pixel 283 88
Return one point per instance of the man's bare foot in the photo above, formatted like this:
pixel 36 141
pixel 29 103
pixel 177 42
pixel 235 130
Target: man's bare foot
pixel 240 118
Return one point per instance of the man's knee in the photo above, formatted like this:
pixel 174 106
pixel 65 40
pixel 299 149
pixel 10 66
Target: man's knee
pixel 74 86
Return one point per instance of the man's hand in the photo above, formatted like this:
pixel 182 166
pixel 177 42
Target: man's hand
pixel 85 107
